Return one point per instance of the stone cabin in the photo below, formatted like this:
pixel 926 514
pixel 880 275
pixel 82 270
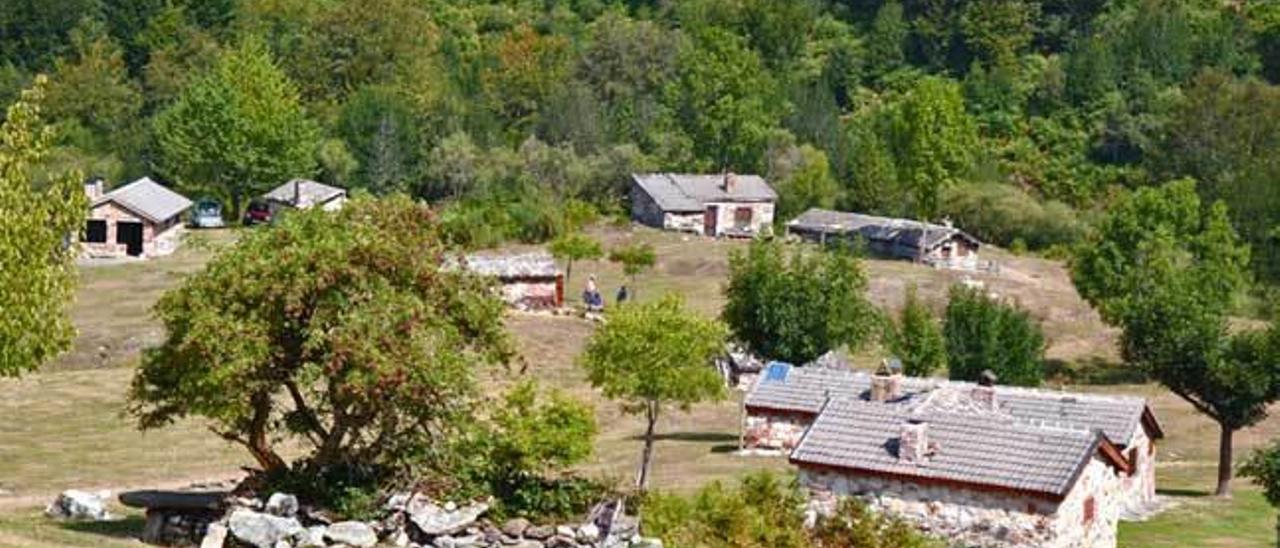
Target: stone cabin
pixel 985 465
pixel 711 205
pixel 140 219
pixel 305 194
pixel 529 281
pixel 942 246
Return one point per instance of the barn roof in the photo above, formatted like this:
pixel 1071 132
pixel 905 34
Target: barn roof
pixel 805 390
pixel 689 193
pixel 967 447
pixel 149 199
pixel 906 232
pixel 512 266
pixel 304 193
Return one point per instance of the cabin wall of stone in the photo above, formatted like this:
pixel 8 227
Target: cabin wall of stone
pixel 973 517
pixel 957 253
pixel 773 430
pixel 531 293
pixel 684 222
pixel 726 218
pixel 644 209
pixel 1138 490
pixel 157 239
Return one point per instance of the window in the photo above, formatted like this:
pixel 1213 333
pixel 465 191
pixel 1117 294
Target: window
pixel 95 231
pixel 1133 461
pixel 1090 508
pixel 742 217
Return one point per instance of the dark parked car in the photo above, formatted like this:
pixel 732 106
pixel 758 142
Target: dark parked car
pixel 207 213
pixel 257 213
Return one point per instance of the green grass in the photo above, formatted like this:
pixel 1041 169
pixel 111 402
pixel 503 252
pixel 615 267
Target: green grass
pixel 30 528
pixel 1199 519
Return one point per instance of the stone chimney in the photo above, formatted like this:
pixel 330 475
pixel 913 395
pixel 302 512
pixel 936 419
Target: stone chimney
pixel 730 182
pixel 913 442
pixel 93 188
pixel 984 394
pixel 886 384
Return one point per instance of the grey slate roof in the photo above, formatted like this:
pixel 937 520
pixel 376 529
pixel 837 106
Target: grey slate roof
pixel 987 450
pixel 806 388
pixel 688 193
pixel 149 199
pixel 304 193
pixel 905 232
pixel 506 267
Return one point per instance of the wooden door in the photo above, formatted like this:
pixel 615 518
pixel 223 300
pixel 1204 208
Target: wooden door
pixel 709 220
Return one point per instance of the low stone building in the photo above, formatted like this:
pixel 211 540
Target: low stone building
pixel 988 465
pixel 943 246
pixel 712 205
pixel 140 219
pixel 529 281
pixel 305 194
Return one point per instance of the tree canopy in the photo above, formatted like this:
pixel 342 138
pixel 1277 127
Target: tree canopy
pixel 986 333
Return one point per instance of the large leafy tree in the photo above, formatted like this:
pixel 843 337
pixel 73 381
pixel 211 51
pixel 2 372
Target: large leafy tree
pixel 653 356
pixel 934 140
pixel 39 276
pixel 916 338
pixel 341 332
pixel 238 131
pixel 796 304
pixel 383 134
pixel 92 86
pixel 574 246
pixel 1166 269
pixel 986 333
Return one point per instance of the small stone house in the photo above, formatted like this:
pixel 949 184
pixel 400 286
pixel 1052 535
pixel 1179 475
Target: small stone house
pixel 305 194
pixel 140 219
pixel 711 205
pixel 529 281
pixel 984 465
pixel 942 246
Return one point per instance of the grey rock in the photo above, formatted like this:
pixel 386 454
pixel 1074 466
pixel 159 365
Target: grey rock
pixel 398 538
pixel 566 531
pixel 312 537
pixel 528 543
pixel 79 505
pixel 262 530
pixel 540 532
pixel 515 527
pixel 397 502
pixel 561 541
pixel 433 520
pixel 215 536
pixel 588 533
pixel 283 544
pixel 353 533
pixel 468 541
pixel 646 542
pixel 282 504
pixel 625 526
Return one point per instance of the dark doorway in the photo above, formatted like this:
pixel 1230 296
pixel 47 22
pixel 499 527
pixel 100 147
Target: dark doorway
pixel 709 220
pixel 130 234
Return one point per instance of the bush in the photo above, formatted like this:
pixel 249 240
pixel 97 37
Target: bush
pixel 916 338
pixel 985 333
pixel 1003 214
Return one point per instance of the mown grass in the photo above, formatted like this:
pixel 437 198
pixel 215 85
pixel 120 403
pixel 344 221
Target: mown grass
pixel 70 430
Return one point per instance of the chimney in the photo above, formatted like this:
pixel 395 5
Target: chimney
pixel 913 442
pixel 984 394
pixel 730 182
pixel 886 383
pixel 93 188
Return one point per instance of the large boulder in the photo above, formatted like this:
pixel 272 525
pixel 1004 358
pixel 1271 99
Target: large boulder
pixel 352 533
pixel 215 536
pixel 262 530
pixel 79 505
pixel 282 504
pixel 434 520
pixel 515 527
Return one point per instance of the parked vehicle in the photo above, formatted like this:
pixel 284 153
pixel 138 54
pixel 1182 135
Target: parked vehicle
pixel 258 212
pixel 207 213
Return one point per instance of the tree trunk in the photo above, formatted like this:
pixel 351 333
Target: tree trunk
pixel 650 415
pixel 257 441
pixel 1224 462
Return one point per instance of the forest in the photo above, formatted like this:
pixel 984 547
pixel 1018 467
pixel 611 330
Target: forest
pixel 1019 120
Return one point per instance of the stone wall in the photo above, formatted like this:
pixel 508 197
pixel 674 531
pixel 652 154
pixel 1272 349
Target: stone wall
pixel 956 254
pixel 157 239
pixel 768 430
pixel 643 209
pixel 979 517
pixel 761 217
pixel 532 293
pixel 1138 490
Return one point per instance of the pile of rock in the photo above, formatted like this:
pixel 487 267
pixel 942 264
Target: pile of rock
pixel 408 520
pixel 73 504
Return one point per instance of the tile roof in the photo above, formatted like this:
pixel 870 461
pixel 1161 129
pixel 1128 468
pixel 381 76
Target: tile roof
pixel 682 192
pixel 304 193
pixel 147 198
pixel 990 450
pixel 525 265
pixel 905 232
pixel 806 388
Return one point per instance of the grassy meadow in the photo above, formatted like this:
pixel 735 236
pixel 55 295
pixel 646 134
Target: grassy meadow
pixel 67 426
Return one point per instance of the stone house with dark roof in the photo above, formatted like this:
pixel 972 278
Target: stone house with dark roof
pixel 712 205
pixel 985 465
pixel 305 194
pixel 140 219
pixel 528 281
pixel 938 245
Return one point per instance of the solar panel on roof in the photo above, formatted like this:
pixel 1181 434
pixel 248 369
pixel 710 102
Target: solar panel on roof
pixel 777 371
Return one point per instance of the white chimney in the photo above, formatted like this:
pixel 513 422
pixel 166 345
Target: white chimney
pixel 913 442
pixel 93 188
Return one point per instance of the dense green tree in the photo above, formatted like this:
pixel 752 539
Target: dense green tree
pixel 178 50
pixel 92 86
pixel 795 304
pixel 803 181
pixel 368 358
pixel 1166 270
pixel 39 276
pixel 653 356
pixel 35 32
pixel 572 247
pixel 984 333
pixel 998 31
pixel 916 339
pixel 887 40
pixel 238 131
pixel 934 142
pixel 382 133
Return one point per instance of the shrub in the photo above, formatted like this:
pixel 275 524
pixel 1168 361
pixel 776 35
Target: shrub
pixel 1003 214
pixel 916 338
pixel 984 333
